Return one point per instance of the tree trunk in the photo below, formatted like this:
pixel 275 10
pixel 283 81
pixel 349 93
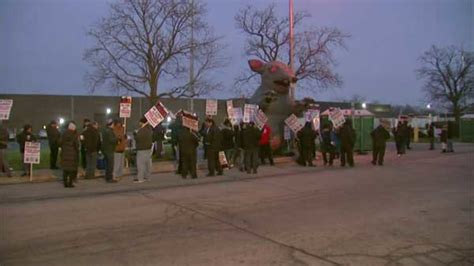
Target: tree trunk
pixel 153 91
pixel 456 113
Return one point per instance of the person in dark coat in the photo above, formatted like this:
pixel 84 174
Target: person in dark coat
pixel 348 137
pixel 143 139
pixel 379 138
pixel 265 145
pixel 176 127
pixel 327 145
pixel 4 165
pixel 109 141
pixel 213 144
pixel 53 134
pixel 400 134
pixel 90 138
pixel 69 143
pixel 202 133
pixel 24 136
pixel 228 144
pixel 431 135
pixel 251 138
pixel 306 137
pixel 158 138
pixel 85 125
pixel 239 155
pixel 189 141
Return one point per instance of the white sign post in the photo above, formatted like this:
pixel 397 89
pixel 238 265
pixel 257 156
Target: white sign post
pixel 293 123
pixel 211 107
pixel 32 155
pixel 5 108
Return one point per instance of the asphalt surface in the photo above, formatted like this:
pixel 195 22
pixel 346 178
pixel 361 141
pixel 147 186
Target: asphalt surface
pixel 415 210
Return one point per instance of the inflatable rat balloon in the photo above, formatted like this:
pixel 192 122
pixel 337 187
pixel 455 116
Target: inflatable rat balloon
pixel 273 95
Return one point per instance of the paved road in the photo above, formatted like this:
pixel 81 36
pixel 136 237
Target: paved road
pixel 415 210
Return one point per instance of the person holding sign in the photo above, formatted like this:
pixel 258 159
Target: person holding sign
pixel 69 143
pixel 24 136
pixel 213 143
pixel 188 141
pixel 119 132
pixel 143 139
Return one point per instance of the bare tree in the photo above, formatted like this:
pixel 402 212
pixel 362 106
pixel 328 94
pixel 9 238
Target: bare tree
pixel 268 39
pixel 449 77
pixel 143 42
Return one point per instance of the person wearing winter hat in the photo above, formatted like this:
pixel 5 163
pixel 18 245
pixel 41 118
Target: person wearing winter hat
pixel 69 143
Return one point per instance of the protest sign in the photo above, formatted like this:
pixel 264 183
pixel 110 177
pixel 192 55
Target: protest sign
pixel 211 107
pixel 236 115
pixel 32 152
pixel 189 120
pixel 293 123
pixel 125 107
pixel 223 160
pixel 312 115
pixel 156 114
pixel 5 108
pixel 337 117
pixel 260 118
pixel 249 112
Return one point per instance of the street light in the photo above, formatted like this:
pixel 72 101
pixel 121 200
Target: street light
pixel 61 120
pixel 364 105
pixel 428 106
pixel 168 119
pixel 108 111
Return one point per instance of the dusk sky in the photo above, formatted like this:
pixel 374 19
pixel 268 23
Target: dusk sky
pixel 42 42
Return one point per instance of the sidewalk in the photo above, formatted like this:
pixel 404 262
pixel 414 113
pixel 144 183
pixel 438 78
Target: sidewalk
pixel 48 175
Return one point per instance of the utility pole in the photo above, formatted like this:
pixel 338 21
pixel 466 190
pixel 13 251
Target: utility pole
pixel 292 47
pixel 191 60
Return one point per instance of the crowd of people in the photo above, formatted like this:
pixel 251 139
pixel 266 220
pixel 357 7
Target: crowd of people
pixel 243 146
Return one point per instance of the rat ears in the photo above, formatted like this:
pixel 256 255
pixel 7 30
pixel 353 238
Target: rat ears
pixel 256 65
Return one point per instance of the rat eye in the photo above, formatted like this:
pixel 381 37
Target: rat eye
pixel 273 69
